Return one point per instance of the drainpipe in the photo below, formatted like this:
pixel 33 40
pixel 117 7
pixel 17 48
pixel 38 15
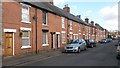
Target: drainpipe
pixel 35 17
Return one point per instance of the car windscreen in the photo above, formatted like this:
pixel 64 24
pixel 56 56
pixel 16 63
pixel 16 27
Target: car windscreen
pixel 103 39
pixel 75 41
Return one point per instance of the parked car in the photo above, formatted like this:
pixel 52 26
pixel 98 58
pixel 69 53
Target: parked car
pixel 109 39
pixel 104 40
pixel 118 51
pixel 90 43
pixel 75 46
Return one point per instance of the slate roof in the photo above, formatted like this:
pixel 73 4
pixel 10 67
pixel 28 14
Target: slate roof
pixel 58 11
pixel 53 9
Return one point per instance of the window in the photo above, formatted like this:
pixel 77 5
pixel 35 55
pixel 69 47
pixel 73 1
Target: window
pixel 45 38
pixel 93 30
pixel 70 25
pixel 89 29
pixel 79 27
pixel 63 22
pixel 75 36
pixel 25 38
pixel 44 18
pixel 70 36
pixel 63 37
pixel 25 13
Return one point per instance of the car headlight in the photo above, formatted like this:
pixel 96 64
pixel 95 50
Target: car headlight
pixel 75 47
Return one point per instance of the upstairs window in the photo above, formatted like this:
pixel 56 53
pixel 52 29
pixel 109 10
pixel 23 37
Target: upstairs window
pixel 79 28
pixel 25 13
pixel 70 25
pixel 63 22
pixel 70 36
pixel 63 37
pixel 44 18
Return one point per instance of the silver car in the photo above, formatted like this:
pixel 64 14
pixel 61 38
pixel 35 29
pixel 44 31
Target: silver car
pixel 75 46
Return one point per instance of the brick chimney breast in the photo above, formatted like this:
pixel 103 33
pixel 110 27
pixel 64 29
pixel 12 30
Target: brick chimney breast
pixel 66 8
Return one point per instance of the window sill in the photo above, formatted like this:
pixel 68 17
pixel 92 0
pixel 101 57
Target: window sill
pixel 45 44
pixel 63 42
pixel 26 22
pixel 23 47
pixel 44 25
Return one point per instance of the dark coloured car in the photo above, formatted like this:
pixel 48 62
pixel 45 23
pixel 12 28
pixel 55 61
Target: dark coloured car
pixel 109 39
pixel 90 43
pixel 103 41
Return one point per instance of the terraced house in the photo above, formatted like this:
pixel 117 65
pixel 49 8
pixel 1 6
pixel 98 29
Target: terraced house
pixel 38 26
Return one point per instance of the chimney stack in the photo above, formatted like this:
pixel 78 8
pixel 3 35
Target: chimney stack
pixel 96 24
pixel 79 16
pixel 66 8
pixel 92 22
pixel 51 3
pixel 87 20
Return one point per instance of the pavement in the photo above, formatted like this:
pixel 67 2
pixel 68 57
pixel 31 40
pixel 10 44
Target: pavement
pixel 18 60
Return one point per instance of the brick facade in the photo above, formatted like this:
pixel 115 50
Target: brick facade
pixel 12 19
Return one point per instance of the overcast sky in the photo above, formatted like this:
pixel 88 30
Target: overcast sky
pixel 103 12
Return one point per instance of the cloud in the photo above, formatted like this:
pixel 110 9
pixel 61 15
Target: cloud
pixel 57 2
pixel 73 8
pixel 88 12
pixel 110 16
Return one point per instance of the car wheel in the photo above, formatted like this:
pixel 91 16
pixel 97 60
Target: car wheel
pixel 79 50
pixel 85 48
pixel 118 57
pixel 92 46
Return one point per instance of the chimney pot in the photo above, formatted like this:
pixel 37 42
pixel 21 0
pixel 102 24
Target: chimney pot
pixel 66 8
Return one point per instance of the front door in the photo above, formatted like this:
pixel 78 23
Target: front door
pixel 8 44
pixel 58 41
pixel 52 40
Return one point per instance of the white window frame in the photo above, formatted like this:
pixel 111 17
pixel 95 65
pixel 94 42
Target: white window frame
pixel 70 34
pixel 46 19
pixel 71 24
pixel 63 22
pixel 75 36
pixel 79 27
pixel 45 40
pixel 26 29
pixel 89 29
pixel 63 37
pixel 27 46
pixel 27 6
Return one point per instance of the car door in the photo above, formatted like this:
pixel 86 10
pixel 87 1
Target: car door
pixel 84 44
pixel 81 44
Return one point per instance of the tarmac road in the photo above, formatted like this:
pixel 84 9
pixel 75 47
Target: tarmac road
pixel 102 55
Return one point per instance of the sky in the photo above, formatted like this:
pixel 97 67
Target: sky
pixel 103 12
